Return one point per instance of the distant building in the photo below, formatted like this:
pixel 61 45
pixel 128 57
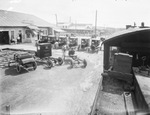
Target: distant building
pixel 27 27
pixel 78 29
pixel 63 25
pixel 142 26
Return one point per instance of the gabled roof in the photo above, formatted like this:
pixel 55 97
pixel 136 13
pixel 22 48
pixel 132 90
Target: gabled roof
pixel 10 18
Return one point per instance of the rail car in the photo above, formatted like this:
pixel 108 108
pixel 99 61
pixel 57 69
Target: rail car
pixel 124 85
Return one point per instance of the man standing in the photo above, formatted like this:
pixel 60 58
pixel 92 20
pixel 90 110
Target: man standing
pixel 64 48
pixel 18 39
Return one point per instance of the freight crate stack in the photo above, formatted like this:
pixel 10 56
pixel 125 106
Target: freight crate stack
pixel 122 67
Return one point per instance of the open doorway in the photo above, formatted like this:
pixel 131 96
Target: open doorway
pixel 4 37
pixel 19 37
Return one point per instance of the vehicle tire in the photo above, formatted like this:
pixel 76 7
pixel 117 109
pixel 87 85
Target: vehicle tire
pixel 18 68
pixel 84 63
pixel 34 65
pixel 60 61
pixel 49 64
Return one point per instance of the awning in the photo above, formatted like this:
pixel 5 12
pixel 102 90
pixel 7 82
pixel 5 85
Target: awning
pixel 33 27
pixel 34 32
pixel 51 36
pixel 97 38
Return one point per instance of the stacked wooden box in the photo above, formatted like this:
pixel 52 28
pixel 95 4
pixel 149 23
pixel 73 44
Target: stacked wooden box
pixel 122 67
pixel 122 62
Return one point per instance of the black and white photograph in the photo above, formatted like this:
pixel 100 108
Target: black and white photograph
pixel 74 57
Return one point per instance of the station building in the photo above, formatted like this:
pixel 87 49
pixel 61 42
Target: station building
pixel 25 26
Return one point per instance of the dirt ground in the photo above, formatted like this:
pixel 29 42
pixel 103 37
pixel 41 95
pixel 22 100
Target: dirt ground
pixel 55 91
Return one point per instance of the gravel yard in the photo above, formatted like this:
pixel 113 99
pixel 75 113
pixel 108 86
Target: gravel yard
pixel 58 90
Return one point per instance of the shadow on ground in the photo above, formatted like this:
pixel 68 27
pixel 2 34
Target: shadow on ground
pixel 12 71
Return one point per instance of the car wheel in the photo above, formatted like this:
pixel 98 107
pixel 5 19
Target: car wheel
pixel 60 61
pixel 18 68
pixel 84 63
pixel 34 65
pixel 49 63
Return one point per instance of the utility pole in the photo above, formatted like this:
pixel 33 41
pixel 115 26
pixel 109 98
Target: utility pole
pixel 56 19
pixel 76 27
pixel 95 22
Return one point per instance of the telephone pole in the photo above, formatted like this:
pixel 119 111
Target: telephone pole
pixel 95 23
pixel 56 19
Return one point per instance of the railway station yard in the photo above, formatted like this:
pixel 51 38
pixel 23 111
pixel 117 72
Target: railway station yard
pixel 59 90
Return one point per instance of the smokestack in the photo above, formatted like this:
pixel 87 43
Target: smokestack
pixel 128 26
pixel 134 24
pixel 142 24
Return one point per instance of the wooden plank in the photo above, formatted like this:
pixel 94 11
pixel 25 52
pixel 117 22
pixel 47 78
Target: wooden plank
pixel 94 109
pixel 122 76
pixel 129 103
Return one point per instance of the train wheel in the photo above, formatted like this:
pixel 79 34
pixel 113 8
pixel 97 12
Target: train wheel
pixel 60 61
pixel 18 68
pixel 34 65
pixel 84 63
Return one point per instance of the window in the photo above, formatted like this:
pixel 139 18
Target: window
pixel 113 50
pixel 12 34
pixel 45 32
pixel 28 33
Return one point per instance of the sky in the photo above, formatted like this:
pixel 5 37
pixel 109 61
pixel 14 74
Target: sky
pixel 110 13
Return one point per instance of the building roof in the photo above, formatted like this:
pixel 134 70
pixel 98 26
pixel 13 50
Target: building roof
pixel 80 26
pixel 10 18
pixel 133 41
pixel 118 36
